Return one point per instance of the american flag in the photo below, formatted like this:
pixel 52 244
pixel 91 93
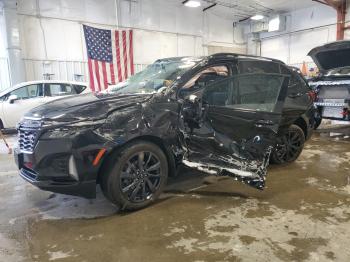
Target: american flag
pixel 110 56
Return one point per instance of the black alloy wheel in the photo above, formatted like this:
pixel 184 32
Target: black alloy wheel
pixel 140 177
pixel 136 175
pixel 289 146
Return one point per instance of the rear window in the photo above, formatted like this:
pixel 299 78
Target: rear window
pixel 79 88
pixel 53 89
pixel 255 66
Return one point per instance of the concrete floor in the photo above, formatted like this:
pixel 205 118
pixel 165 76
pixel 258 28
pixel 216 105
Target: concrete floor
pixel 303 215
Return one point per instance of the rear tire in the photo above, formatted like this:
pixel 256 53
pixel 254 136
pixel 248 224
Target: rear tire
pixel 289 146
pixel 136 176
pixel 1 125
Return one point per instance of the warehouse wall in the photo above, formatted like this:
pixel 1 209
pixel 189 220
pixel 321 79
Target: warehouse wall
pixel 5 80
pixel 306 29
pixel 52 40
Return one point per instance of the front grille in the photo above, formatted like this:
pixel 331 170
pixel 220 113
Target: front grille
pixel 28 134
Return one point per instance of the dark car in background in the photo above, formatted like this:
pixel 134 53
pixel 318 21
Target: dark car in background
pixel 332 85
pixel 225 114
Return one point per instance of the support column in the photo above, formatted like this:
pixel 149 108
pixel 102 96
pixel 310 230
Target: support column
pixel 14 50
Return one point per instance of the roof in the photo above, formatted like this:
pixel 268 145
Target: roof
pixel 40 82
pixel 221 56
pixel 242 56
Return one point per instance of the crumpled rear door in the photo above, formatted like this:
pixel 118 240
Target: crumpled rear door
pixel 230 127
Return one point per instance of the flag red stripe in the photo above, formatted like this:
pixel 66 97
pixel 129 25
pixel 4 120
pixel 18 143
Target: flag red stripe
pixel 120 78
pixel 91 76
pixel 131 55
pixel 111 67
pixel 97 73
pixel 104 72
pixel 125 53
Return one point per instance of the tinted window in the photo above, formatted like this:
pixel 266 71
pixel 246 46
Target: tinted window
pixel 258 92
pixel 59 90
pixel 295 79
pixel 79 88
pixel 204 78
pixel 248 67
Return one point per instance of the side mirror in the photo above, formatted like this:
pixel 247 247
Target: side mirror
pixel 12 98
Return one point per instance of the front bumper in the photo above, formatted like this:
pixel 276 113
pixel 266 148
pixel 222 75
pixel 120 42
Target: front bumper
pixel 58 166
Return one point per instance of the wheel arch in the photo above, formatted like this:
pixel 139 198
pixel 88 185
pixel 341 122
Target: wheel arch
pixel 302 123
pixel 1 124
pixel 147 138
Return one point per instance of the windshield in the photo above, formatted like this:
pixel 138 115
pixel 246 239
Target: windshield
pixel 156 76
pixel 343 71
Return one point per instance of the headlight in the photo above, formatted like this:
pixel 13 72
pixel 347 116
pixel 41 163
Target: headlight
pixel 71 130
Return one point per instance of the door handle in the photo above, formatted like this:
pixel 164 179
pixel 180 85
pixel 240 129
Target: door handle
pixel 263 122
pixel 295 95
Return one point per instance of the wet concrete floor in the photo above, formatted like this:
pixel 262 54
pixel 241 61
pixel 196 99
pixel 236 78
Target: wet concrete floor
pixel 303 215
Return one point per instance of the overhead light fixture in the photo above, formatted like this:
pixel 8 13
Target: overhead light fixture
pixel 192 3
pixel 257 17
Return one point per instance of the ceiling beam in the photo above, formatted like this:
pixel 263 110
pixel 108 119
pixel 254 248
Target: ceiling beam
pixel 211 6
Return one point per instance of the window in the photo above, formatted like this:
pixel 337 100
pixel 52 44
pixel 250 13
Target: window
pixel 59 90
pixel 259 92
pixel 26 92
pixel 256 66
pixel 204 78
pixel 79 88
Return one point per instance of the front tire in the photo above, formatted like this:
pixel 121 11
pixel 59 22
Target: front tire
pixel 136 177
pixel 289 146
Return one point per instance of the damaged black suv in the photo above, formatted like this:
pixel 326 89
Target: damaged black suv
pixel 224 114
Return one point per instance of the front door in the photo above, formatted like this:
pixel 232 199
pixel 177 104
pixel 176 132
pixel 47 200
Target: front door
pixel 230 126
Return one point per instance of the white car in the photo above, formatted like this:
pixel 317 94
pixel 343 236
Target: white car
pixel 16 101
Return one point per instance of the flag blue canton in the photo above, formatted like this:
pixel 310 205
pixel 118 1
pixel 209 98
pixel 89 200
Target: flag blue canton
pixel 99 44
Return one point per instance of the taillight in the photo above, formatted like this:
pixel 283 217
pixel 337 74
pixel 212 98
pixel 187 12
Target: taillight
pixel 313 95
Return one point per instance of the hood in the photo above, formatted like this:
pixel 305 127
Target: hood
pixel 81 107
pixel 331 56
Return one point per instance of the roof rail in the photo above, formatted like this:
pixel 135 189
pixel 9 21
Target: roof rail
pixel 244 56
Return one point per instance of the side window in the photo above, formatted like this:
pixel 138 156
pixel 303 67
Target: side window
pixel 256 66
pixel 79 88
pixel 34 91
pixel 21 93
pixel 258 93
pixel 59 90
pixel 204 78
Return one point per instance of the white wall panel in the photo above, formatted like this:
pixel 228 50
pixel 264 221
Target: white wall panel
pixel 219 30
pixel 27 7
pixel 302 43
pixel 162 29
pixel 276 48
pixel 63 40
pixel 186 45
pixel 306 29
pixel 30 29
pixel 100 11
